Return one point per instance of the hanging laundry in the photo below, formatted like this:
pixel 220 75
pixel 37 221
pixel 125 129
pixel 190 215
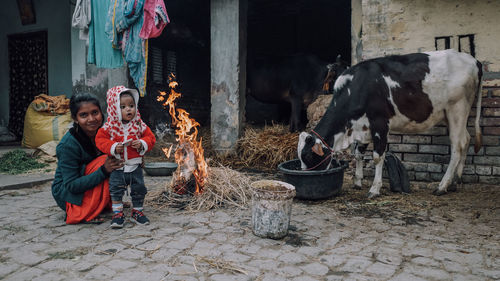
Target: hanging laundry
pixel 125 20
pixel 81 18
pixel 155 19
pixel 100 51
pixel 122 14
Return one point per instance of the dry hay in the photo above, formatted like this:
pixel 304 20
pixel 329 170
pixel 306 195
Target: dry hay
pixel 259 149
pixel 317 109
pixel 224 187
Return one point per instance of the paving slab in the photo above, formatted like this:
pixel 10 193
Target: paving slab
pixel 23 181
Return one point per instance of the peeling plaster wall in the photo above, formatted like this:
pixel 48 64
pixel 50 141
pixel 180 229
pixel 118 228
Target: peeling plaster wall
pixel 228 72
pixel 406 26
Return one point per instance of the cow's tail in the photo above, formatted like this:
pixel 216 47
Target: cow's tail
pixel 479 138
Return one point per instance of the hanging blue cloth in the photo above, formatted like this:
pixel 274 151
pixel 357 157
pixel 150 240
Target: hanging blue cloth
pixel 100 52
pixel 125 19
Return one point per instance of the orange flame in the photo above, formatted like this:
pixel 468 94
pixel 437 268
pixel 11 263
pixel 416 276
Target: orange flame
pixel 167 151
pixel 187 133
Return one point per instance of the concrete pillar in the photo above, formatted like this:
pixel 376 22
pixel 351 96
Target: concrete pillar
pixel 228 72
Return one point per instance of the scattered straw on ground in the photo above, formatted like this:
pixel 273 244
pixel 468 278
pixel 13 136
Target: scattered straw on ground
pixel 225 187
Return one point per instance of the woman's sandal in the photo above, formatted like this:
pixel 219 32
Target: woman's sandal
pixel 96 220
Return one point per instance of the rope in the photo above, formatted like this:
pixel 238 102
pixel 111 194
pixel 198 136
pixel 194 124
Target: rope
pixel 323 141
pixel 324 159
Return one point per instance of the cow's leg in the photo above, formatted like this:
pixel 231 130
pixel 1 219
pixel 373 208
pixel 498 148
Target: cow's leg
pixel 296 110
pixel 457 180
pixel 359 152
pixel 379 131
pixel 459 139
pixel 377 180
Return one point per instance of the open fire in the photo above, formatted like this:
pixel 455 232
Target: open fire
pixel 189 151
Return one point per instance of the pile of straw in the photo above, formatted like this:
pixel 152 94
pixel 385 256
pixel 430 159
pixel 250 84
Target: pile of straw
pixel 225 187
pixel 268 147
pixel 260 149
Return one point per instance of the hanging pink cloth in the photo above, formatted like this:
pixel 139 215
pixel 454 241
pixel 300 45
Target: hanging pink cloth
pixel 155 19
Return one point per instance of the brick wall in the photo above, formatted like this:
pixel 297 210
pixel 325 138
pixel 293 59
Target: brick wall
pixel 426 156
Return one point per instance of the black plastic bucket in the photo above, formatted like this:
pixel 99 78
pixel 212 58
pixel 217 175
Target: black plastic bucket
pixel 315 184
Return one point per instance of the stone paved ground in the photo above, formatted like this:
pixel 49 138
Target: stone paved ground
pixel 397 237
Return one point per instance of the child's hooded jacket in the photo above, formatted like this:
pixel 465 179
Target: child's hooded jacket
pixel 114 132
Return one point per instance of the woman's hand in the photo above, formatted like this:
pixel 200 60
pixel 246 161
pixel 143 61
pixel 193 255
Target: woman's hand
pixel 112 164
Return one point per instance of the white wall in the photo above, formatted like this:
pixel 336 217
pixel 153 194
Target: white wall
pixel 53 16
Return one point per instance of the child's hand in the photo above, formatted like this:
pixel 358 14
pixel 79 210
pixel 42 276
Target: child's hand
pixel 137 144
pixel 119 148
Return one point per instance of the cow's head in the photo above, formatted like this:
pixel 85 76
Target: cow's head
pixel 311 152
pixel 334 71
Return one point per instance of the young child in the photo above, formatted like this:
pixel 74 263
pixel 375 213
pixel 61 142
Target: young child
pixel 125 136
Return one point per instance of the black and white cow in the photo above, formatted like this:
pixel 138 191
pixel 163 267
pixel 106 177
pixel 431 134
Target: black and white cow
pixel 297 80
pixel 401 94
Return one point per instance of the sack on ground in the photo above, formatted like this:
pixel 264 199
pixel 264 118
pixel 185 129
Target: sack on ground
pixel 41 127
pixel 398 176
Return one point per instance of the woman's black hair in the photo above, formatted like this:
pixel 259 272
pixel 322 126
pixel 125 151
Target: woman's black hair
pixel 77 99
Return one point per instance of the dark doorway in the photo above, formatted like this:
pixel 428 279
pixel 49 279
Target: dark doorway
pixel 28 74
pixel 282 28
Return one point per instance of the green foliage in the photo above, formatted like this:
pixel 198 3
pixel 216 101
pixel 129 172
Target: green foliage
pixel 17 162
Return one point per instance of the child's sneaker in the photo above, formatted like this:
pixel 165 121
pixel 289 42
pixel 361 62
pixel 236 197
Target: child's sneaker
pixel 139 217
pixel 118 220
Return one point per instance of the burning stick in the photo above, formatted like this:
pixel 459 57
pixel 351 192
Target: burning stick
pixel 189 152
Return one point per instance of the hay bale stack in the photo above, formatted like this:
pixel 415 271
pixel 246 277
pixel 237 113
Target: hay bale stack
pixel 317 109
